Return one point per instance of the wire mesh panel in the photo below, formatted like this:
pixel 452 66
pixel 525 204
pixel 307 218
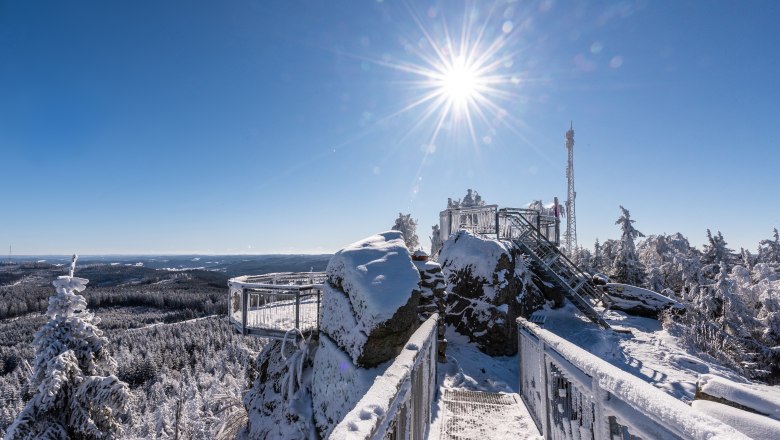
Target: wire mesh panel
pixel 531 378
pixel 573 413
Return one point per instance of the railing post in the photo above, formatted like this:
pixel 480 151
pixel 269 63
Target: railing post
pixel 243 309
pixel 319 296
pixel 298 309
pixel 601 421
pixel 546 394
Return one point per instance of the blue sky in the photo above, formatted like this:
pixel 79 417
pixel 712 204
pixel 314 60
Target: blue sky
pixel 274 127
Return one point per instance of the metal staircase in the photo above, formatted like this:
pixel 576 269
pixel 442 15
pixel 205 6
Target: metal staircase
pixel 555 266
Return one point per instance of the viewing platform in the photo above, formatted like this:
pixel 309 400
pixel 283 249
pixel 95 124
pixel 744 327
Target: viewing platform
pixel 271 305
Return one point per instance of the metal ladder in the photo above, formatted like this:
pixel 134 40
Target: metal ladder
pixel 556 267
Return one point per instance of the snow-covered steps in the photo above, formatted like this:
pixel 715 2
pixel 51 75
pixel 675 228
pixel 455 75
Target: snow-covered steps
pixel 481 415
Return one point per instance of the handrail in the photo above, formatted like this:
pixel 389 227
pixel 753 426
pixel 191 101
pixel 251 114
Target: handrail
pixel 571 393
pixel 398 404
pixel 271 304
pixel 594 293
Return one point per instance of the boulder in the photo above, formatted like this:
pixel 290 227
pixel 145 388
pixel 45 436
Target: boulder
pixel 638 301
pixel 370 300
pixel 490 285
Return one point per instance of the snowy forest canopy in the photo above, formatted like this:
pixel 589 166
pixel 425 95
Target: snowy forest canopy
pixel 732 298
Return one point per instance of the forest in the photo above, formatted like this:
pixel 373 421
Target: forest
pixel 185 368
pixel 732 299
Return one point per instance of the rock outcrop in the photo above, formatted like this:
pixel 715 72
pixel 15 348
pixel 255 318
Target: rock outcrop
pixel 433 297
pixel 490 284
pixel 369 310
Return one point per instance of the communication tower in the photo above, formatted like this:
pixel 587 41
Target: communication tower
pixel 570 237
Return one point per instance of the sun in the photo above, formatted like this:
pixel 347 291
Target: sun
pixel 459 84
pixel 461 79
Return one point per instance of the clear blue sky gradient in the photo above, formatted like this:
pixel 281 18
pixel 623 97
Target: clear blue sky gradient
pixel 269 127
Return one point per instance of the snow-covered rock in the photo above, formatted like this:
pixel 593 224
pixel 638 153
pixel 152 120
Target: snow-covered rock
pixel 369 310
pixel 760 399
pixel 638 301
pixel 433 298
pixel 490 285
pixel 753 425
pixel 370 300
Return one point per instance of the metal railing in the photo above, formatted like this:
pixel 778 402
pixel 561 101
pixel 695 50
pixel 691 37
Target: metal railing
pixel 270 305
pixel 406 412
pixel 571 394
pixel 480 220
pixel 502 223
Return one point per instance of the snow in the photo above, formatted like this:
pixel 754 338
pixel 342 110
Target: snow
pixel 462 250
pixel 633 394
pixel 338 385
pixel 470 369
pixel 381 401
pixel 760 398
pixel 650 353
pixel 753 425
pixel 619 294
pixel 378 276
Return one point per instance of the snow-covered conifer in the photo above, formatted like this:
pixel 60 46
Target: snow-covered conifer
pixel 627 267
pixel 769 251
pixel 408 227
pixel 597 261
pixel 436 242
pixel 716 252
pixel 76 394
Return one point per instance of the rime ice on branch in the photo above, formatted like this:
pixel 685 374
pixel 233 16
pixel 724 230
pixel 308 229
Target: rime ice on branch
pixel 76 394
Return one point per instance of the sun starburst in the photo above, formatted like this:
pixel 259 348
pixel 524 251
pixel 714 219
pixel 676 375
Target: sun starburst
pixel 461 82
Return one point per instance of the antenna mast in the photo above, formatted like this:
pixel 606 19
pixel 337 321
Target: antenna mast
pixel 570 237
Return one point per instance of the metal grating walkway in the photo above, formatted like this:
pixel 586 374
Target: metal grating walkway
pixel 480 415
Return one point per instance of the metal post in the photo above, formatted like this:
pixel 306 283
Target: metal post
pixel 243 310
pixel 546 393
pixel 298 309
pixel 319 295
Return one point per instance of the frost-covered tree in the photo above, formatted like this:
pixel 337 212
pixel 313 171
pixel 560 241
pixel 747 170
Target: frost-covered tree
pixel 76 394
pixel 583 259
pixel 769 251
pixel 746 258
pixel 597 261
pixel 408 227
pixel 627 267
pixel 671 262
pixel 717 253
pixel 436 243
